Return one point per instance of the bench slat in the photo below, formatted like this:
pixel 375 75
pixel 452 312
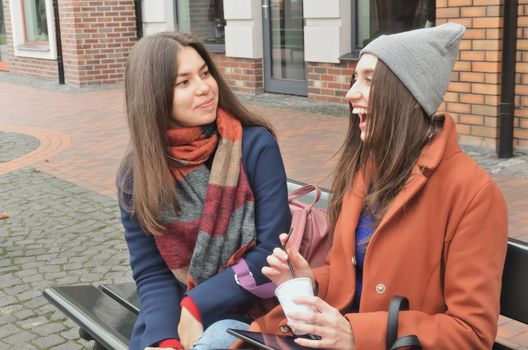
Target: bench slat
pixel 514 296
pixel 124 293
pixel 99 315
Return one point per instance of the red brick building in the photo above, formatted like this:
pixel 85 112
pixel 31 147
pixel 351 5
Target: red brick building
pixel 96 37
pixel 303 47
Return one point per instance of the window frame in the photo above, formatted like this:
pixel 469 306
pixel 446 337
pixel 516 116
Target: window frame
pixel 30 42
pixel 46 51
pixel 211 47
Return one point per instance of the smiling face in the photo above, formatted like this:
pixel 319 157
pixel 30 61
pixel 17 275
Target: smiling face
pixel 195 91
pixel 358 95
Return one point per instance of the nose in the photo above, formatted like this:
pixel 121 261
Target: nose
pixel 202 88
pixel 353 93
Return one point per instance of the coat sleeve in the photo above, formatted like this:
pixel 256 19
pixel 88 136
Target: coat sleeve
pixel 159 292
pixel 265 170
pixel 472 282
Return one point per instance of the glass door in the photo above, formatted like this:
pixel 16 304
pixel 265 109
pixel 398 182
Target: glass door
pixel 284 66
pixel 3 40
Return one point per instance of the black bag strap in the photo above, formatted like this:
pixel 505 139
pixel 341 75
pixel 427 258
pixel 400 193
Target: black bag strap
pixel 407 341
pixel 397 304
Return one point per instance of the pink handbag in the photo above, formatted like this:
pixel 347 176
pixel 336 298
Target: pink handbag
pixel 309 236
pixel 310 227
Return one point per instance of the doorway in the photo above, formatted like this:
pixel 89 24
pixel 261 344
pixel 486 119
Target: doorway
pixel 284 66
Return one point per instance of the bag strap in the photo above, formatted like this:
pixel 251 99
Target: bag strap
pixel 303 191
pixel 244 278
pixel 407 341
pixel 397 303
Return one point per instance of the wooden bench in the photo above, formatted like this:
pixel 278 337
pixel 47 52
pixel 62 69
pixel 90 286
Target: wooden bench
pixel 106 314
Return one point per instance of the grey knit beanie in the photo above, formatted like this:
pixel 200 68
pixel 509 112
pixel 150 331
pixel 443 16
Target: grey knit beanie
pixel 422 59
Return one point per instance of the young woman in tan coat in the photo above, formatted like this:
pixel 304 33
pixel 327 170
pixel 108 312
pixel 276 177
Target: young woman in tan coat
pixel 411 213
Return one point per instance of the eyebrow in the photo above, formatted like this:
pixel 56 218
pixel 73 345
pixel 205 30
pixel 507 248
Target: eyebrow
pixel 366 71
pixel 184 74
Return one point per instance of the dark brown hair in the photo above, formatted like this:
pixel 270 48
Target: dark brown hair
pixel 397 130
pixel 149 86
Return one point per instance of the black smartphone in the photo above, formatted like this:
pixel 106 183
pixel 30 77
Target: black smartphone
pixel 267 341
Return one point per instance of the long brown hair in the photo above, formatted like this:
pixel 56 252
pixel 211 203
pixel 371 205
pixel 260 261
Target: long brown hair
pixel 144 177
pixel 397 130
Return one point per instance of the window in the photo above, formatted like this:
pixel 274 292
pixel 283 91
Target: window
pixel 204 19
pixel 35 21
pixel 33 32
pixel 376 17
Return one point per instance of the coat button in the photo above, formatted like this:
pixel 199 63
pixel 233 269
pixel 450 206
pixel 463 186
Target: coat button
pixel 380 288
pixel 284 329
pixel 354 261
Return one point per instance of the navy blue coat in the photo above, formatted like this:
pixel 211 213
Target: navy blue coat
pixel 160 293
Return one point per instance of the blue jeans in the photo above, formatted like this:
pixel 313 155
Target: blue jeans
pixel 216 336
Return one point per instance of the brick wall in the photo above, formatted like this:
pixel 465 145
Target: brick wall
pixel 42 68
pixel 474 93
pixel 241 74
pixel 521 89
pixel 328 82
pixel 96 39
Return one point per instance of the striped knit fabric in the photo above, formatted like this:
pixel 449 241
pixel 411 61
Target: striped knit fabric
pixel 364 230
pixel 215 225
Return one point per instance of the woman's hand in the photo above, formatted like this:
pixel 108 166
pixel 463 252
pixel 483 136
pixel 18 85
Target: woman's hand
pixel 189 329
pixel 327 322
pixel 278 270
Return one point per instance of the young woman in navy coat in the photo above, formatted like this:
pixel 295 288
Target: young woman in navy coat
pixel 201 188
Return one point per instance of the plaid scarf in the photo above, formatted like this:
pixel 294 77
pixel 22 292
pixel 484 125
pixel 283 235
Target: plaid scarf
pixel 215 225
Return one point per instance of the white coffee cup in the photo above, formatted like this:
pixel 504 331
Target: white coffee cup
pixel 292 289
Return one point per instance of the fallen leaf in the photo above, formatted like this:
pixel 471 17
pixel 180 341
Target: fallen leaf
pixel 4 216
pixel 35 170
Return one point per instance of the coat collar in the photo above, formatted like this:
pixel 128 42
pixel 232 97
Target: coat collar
pixel 443 146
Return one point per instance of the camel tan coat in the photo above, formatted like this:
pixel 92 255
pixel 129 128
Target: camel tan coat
pixel 442 244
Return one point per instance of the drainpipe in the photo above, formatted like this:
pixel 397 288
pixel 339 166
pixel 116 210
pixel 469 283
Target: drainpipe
pixel 507 103
pixel 60 63
pixel 139 19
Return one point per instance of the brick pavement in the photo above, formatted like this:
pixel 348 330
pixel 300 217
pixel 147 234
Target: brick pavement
pixel 60 194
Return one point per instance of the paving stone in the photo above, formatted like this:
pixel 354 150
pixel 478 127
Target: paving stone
pixel 35 303
pixel 5 262
pixel 46 342
pixel 6 319
pixel 23 314
pixel 8 300
pixel 32 322
pixel 49 328
pixel 20 339
pixel 30 294
pixel 10 309
pixel 8 330
pixel 68 346
pixel 26 273
pixel 71 333
pixel 7 269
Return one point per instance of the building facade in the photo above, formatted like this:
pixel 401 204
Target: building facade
pixel 301 47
